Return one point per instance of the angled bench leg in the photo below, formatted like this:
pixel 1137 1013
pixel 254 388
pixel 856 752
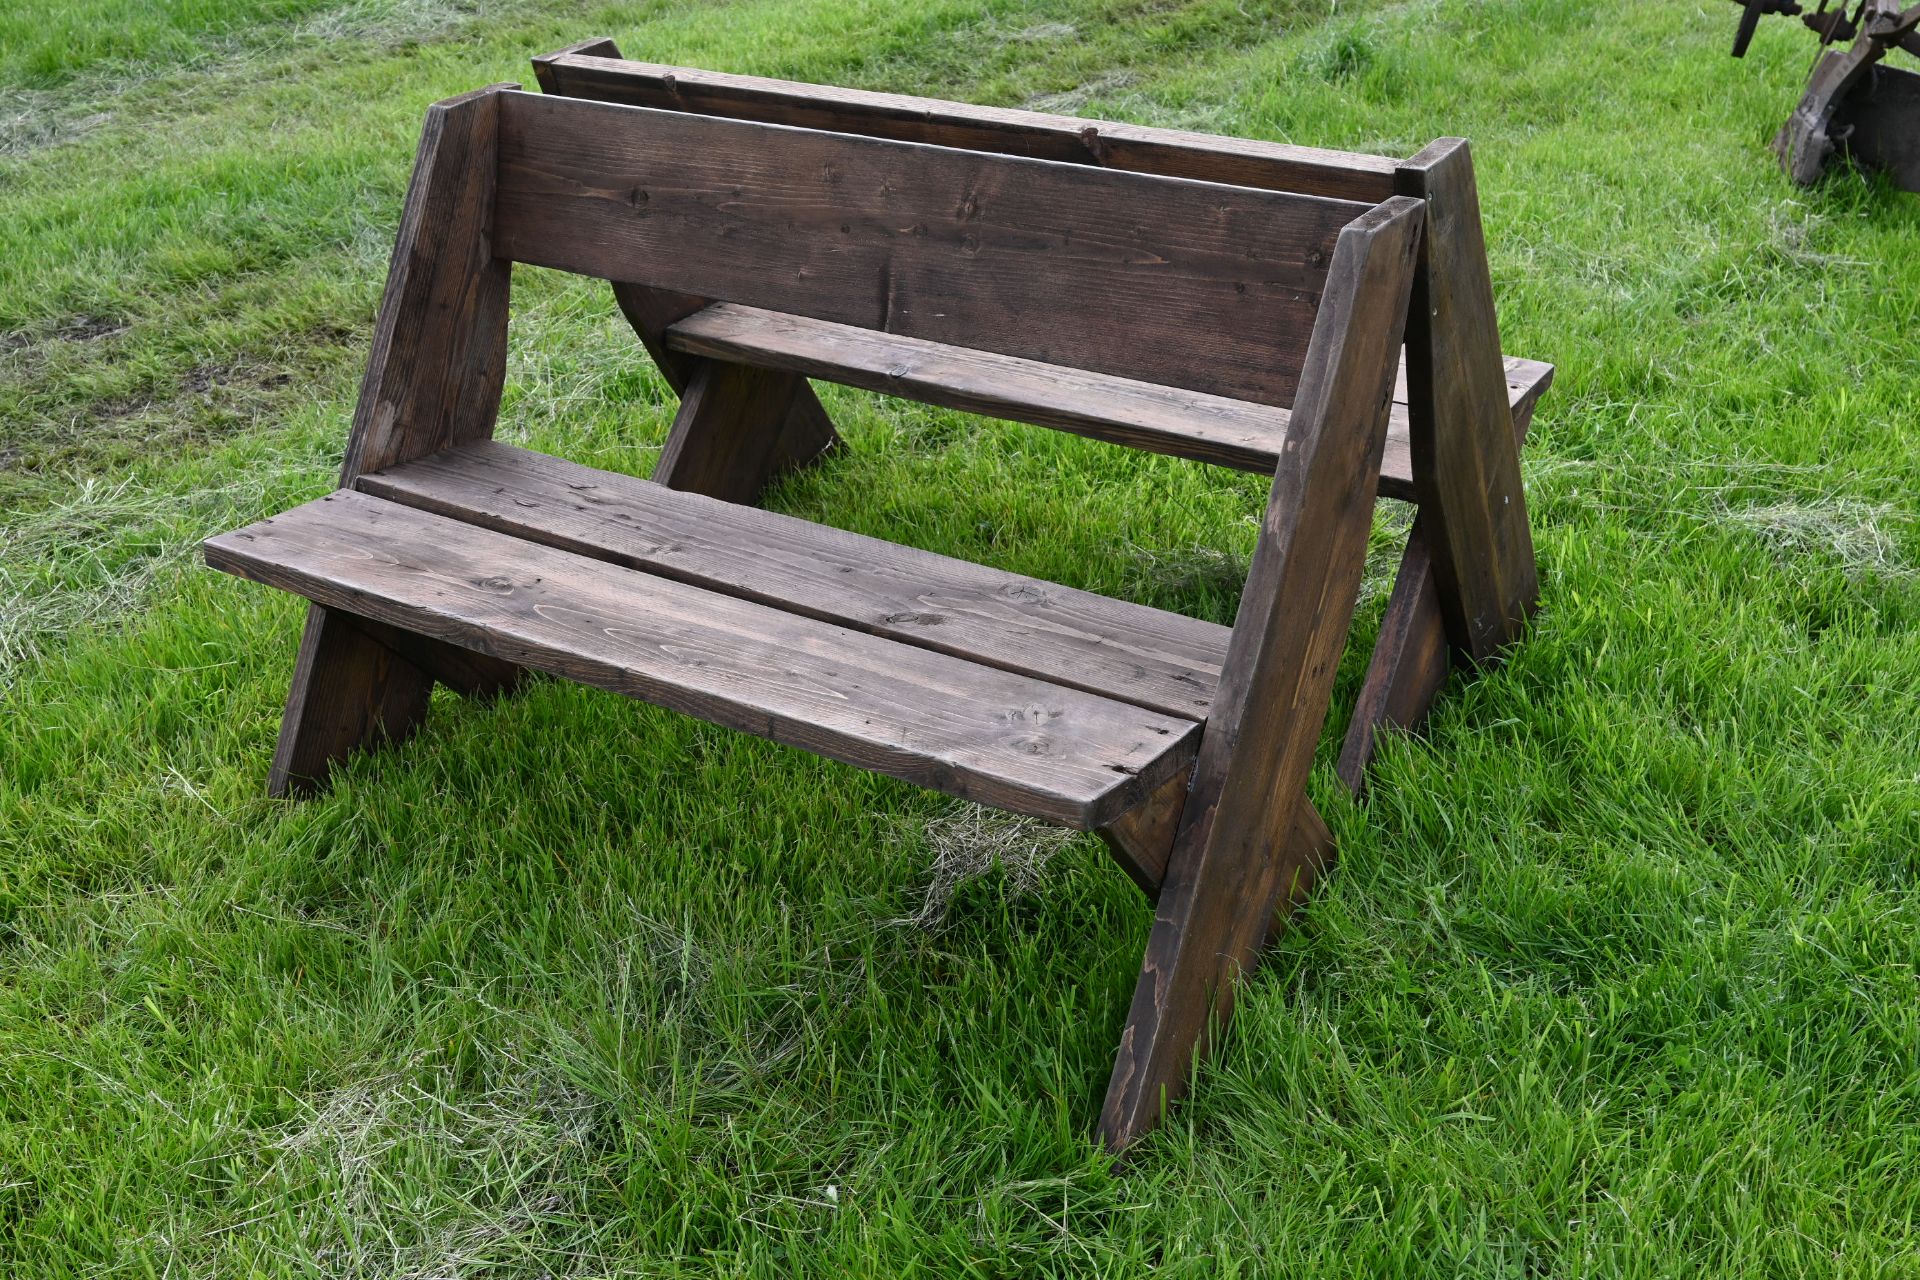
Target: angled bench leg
pixel 433 380
pixel 1411 658
pixel 724 438
pixel 1233 859
pixel 1409 665
pixel 1466 461
pixel 802 431
pixel 1141 841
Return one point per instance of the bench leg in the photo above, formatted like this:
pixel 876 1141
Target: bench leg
pixel 1410 662
pixel 434 380
pixel 723 440
pixel 358 684
pixel 1141 841
pixel 802 432
pixel 1411 658
pixel 1466 464
pixel 1236 853
pixel 349 692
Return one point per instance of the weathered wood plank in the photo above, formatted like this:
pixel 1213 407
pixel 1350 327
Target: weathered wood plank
pixel 1232 859
pixel 955 726
pixel 1208 287
pixel 1466 466
pixel 1129 652
pixel 594 69
pixel 433 379
pixel 1141 415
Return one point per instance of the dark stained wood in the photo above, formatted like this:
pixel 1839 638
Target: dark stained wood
pixel 1527 381
pixel 1411 658
pixel 1142 415
pixel 594 70
pixel 433 379
pixel 1130 652
pixel 350 693
pixel 1192 284
pixel 439 354
pixel 723 439
pixel 1141 840
pixel 1226 310
pixel 1466 466
pixel 465 671
pixel 1409 665
pixel 1232 860
pixel 944 723
pixel 808 432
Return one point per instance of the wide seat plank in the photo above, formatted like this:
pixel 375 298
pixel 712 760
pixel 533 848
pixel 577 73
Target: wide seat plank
pixel 1163 661
pixel 955 726
pixel 1161 419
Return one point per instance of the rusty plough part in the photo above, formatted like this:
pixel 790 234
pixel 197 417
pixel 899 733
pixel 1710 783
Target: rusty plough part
pixel 1855 104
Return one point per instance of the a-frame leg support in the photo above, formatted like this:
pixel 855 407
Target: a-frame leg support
pixel 800 431
pixel 1467 580
pixel 1141 841
pixel 434 380
pixel 1234 856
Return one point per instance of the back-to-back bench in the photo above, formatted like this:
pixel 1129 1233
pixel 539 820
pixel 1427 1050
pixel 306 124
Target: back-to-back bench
pixel 1238 303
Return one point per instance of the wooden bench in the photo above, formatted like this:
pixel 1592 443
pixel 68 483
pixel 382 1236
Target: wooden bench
pixel 1252 325
pixel 1466 580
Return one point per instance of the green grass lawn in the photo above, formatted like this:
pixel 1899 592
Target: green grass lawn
pixel 1617 975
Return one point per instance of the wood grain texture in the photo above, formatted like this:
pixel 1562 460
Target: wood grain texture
pixel 1466 465
pixel 594 69
pixel 1232 860
pixel 1141 841
pixel 945 723
pixel 1527 381
pixel 722 440
pixel 439 354
pixel 349 693
pixel 1163 661
pixel 433 379
pixel 808 433
pixel 471 674
pixel 1141 415
pixel 1208 287
pixel 805 437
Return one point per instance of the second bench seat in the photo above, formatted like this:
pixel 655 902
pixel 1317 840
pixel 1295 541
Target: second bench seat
pixel 1145 415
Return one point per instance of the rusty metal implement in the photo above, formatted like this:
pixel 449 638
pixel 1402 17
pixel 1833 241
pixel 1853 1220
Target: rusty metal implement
pixel 1855 105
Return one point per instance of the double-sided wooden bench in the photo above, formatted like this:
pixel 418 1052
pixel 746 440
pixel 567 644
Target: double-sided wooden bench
pixel 1237 303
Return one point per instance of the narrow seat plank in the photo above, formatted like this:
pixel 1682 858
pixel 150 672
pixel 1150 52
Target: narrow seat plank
pixel 1144 415
pixel 1162 661
pixel 941 722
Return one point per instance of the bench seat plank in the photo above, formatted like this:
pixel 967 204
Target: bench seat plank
pixel 1133 653
pixel 945 723
pixel 1144 415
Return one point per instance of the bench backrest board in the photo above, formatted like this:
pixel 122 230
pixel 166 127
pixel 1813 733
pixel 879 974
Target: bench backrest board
pixel 595 70
pixel 1205 286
